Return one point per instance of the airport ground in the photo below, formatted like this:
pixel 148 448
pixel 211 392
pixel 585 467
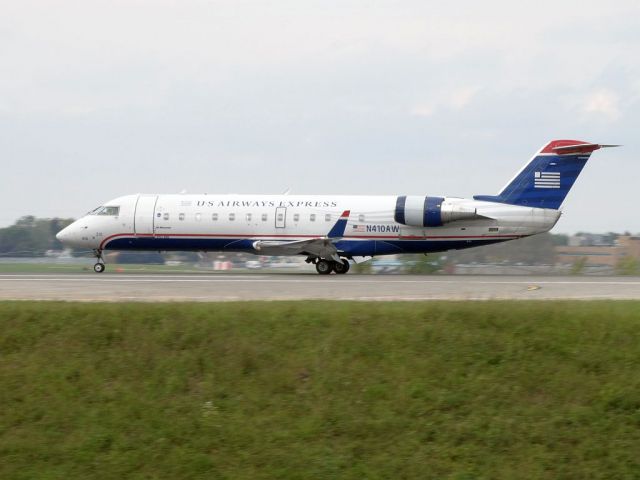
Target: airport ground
pixel 250 390
pixel 205 287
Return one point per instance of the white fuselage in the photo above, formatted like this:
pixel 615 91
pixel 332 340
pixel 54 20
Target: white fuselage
pixel 236 222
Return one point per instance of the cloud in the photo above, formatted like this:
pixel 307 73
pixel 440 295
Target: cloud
pixel 452 100
pixel 603 102
pixel 461 97
pixel 423 110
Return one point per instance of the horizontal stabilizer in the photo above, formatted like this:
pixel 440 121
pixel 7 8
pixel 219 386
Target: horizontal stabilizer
pixel 579 148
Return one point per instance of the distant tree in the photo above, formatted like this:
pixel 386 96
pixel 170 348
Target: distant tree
pixel 628 266
pixel 31 236
pixel 578 266
pixel 363 267
pixel 560 239
pixel 26 221
pixel 424 264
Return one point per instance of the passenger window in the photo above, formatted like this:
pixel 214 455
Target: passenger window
pixel 214 217
pixel 361 217
pixel 264 217
pixel 232 217
pixel 248 217
pixel 165 216
pixel 327 217
pixel 312 217
pixel 280 217
pixel 296 217
pixel 181 217
pixel 198 217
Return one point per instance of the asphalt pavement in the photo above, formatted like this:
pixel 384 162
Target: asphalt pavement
pixel 115 287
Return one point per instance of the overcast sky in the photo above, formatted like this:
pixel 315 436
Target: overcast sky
pixel 101 99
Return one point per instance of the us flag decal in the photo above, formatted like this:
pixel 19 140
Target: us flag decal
pixel 546 180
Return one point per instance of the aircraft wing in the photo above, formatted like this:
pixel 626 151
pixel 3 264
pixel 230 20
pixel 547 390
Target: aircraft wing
pixel 323 247
pixel 320 247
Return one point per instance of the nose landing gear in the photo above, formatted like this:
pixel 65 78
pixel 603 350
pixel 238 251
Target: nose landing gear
pixel 99 267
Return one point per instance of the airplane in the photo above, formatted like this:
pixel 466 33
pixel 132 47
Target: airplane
pixel 334 230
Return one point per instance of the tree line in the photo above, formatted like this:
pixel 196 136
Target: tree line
pixel 31 236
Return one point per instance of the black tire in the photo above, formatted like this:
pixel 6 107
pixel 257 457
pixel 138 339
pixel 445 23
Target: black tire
pixel 99 267
pixel 341 267
pixel 323 267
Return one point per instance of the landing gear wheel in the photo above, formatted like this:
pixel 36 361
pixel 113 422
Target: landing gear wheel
pixel 323 267
pixel 341 267
pixel 99 266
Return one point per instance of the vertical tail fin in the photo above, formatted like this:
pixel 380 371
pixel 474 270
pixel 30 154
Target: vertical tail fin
pixel 545 181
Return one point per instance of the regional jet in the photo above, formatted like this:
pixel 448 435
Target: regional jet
pixel 333 230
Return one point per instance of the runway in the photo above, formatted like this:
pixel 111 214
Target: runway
pixel 114 287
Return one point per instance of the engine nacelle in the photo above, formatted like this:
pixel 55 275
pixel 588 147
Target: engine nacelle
pixel 418 211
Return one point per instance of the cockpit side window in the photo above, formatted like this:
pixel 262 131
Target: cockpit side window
pixel 110 211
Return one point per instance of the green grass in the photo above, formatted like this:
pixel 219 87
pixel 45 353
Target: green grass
pixel 495 390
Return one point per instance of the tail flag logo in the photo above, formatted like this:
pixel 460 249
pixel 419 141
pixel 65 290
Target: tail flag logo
pixel 546 180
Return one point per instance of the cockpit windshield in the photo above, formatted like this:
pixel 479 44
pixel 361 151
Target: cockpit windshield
pixel 105 210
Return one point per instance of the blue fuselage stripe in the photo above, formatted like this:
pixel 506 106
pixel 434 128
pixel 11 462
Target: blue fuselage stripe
pixel 361 247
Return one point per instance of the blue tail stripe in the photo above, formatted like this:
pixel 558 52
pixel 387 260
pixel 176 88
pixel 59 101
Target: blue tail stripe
pixel 543 183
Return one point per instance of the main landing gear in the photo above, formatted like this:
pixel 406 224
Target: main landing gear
pixel 325 267
pixel 99 267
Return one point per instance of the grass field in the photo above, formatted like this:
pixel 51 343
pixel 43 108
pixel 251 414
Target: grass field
pixel 495 390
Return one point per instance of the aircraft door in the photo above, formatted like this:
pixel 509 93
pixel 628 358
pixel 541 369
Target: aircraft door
pixel 143 223
pixel 281 217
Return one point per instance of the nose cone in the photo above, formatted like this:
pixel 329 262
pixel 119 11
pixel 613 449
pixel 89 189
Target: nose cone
pixel 64 234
